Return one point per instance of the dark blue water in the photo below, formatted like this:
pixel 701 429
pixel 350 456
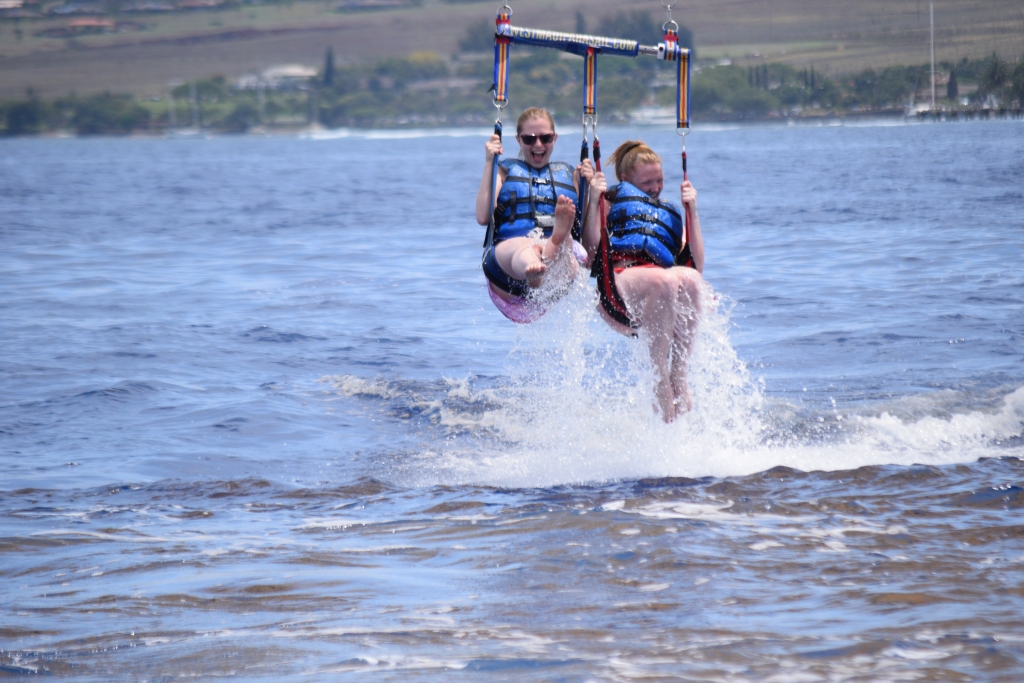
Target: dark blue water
pixel 258 418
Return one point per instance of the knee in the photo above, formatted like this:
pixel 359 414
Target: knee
pixel 688 288
pixel 526 249
pixel 663 288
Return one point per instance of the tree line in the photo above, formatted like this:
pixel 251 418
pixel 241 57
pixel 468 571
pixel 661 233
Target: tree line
pixel 423 89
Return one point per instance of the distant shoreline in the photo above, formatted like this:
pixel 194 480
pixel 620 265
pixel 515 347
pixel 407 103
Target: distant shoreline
pixel 399 132
pixel 425 91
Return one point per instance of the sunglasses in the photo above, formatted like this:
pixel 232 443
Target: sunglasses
pixel 528 139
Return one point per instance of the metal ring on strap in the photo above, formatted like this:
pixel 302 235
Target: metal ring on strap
pixel 668 12
pixel 589 120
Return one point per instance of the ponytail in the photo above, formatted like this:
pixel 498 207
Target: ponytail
pixel 629 155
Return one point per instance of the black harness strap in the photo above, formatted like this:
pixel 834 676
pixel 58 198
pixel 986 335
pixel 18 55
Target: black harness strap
pixel 493 223
pixel 685 257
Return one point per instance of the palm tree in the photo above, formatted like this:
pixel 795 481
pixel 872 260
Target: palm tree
pixel 994 77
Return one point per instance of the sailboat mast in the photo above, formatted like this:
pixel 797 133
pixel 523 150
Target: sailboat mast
pixel 931 21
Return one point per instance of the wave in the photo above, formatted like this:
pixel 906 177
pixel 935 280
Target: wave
pixel 575 406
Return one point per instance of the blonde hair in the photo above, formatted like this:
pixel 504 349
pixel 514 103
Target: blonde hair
pixel 534 113
pixel 629 155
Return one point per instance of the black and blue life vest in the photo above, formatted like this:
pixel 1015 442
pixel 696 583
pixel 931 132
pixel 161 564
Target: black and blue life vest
pixel 528 196
pixel 644 228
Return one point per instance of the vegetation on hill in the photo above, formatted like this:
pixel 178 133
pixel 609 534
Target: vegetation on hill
pixel 424 89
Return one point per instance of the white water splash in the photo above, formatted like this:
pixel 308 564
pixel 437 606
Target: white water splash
pixel 578 407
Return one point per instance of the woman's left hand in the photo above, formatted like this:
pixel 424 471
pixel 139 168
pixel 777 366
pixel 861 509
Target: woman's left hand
pixel 598 186
pixel 688 194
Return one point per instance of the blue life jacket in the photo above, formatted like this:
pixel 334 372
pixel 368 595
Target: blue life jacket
pixel 644 228
pixel 528 196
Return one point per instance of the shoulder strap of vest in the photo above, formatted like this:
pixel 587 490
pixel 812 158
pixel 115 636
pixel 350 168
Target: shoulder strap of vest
pixel 562 167
pixel 518 171
pixel 671 209
pixel 508 164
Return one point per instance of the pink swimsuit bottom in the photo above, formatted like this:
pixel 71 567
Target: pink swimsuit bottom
pixel 523 310
pixel 517 309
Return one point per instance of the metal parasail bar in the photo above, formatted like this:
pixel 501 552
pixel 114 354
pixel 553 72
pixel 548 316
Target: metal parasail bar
pixel 577 43
pixel 582 44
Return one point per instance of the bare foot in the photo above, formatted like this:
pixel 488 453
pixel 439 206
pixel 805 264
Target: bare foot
pixel 666 405
pixel 535 273
pixel 680 388
pixel 565 214
pixel 683 401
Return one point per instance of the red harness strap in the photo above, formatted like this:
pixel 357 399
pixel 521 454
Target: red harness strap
pixel 604 270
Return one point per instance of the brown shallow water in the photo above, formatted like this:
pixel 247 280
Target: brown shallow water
pixel 879 573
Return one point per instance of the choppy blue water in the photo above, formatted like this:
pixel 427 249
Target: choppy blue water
pixel 258 418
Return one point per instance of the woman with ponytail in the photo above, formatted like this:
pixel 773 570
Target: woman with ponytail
pixel 657 266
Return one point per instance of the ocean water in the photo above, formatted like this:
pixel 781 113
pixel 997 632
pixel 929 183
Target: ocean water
pixel 259 419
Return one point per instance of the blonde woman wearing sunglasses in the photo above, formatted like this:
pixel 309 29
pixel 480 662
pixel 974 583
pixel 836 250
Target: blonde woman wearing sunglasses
pixel 533 259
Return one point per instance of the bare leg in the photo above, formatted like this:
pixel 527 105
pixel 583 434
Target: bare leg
pixel 565 213
pixel 530 262
pixel 526 258
pixel 684 331
pixel 517 254
pixel 651 295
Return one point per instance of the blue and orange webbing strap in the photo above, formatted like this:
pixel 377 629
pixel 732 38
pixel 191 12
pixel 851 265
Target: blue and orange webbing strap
pixel 683 90
pixel 670 51
pixel 589 117
pixel 590 82
pixel 602 268
pixel 502 44
pixel 683 127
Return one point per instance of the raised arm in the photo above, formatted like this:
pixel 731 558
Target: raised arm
pixel 483 211
pixel 688 195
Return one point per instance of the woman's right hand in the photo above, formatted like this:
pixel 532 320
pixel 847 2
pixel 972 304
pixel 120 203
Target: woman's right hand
pixel 585 170
pixel 493 147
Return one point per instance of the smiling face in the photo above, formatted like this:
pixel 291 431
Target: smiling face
pixel 538 154
pixel 647 177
